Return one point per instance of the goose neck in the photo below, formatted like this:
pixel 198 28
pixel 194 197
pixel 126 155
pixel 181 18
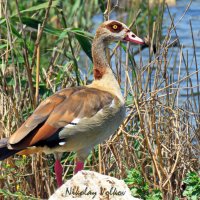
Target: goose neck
pixel 99 58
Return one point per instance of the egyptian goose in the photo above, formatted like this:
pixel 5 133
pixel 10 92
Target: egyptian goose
pixel 77 118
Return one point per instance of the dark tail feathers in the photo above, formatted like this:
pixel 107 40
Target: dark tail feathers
pixel 4 151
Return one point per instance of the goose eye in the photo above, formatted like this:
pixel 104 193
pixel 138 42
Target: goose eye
pixel 115 27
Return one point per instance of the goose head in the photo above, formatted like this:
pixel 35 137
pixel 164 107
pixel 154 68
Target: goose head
pixel 107 32
pixel 112 30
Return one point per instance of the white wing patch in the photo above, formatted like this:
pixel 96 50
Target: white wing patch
pixel 112 105
pixel 77 120
pixel 62 143
pixel 100 111
pixel 73 123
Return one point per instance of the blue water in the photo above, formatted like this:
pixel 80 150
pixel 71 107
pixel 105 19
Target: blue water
pixel 183 27
pixel 185 36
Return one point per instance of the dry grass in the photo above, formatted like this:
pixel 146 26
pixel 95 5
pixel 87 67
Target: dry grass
pixel 159 137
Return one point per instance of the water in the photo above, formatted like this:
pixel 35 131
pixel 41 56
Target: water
pixel 185 36
pixel 183 27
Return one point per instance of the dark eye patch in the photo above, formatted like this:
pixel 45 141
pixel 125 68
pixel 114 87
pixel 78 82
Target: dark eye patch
pixel 115 27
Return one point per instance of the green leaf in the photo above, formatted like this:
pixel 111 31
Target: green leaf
pixel 83 38
pixel 84 42
pixel 14 31
pixel 3 46
pixel 76 6
pixel 102 6
pixel 34 8
pixel 33 23
pixel 192 182
pixel 41 6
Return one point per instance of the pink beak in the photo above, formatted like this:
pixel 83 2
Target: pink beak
pixel 131 37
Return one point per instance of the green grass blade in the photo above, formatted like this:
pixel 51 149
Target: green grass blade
pixel 41 6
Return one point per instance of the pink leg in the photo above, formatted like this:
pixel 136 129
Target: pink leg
pixel 79 166
pixel 58 170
